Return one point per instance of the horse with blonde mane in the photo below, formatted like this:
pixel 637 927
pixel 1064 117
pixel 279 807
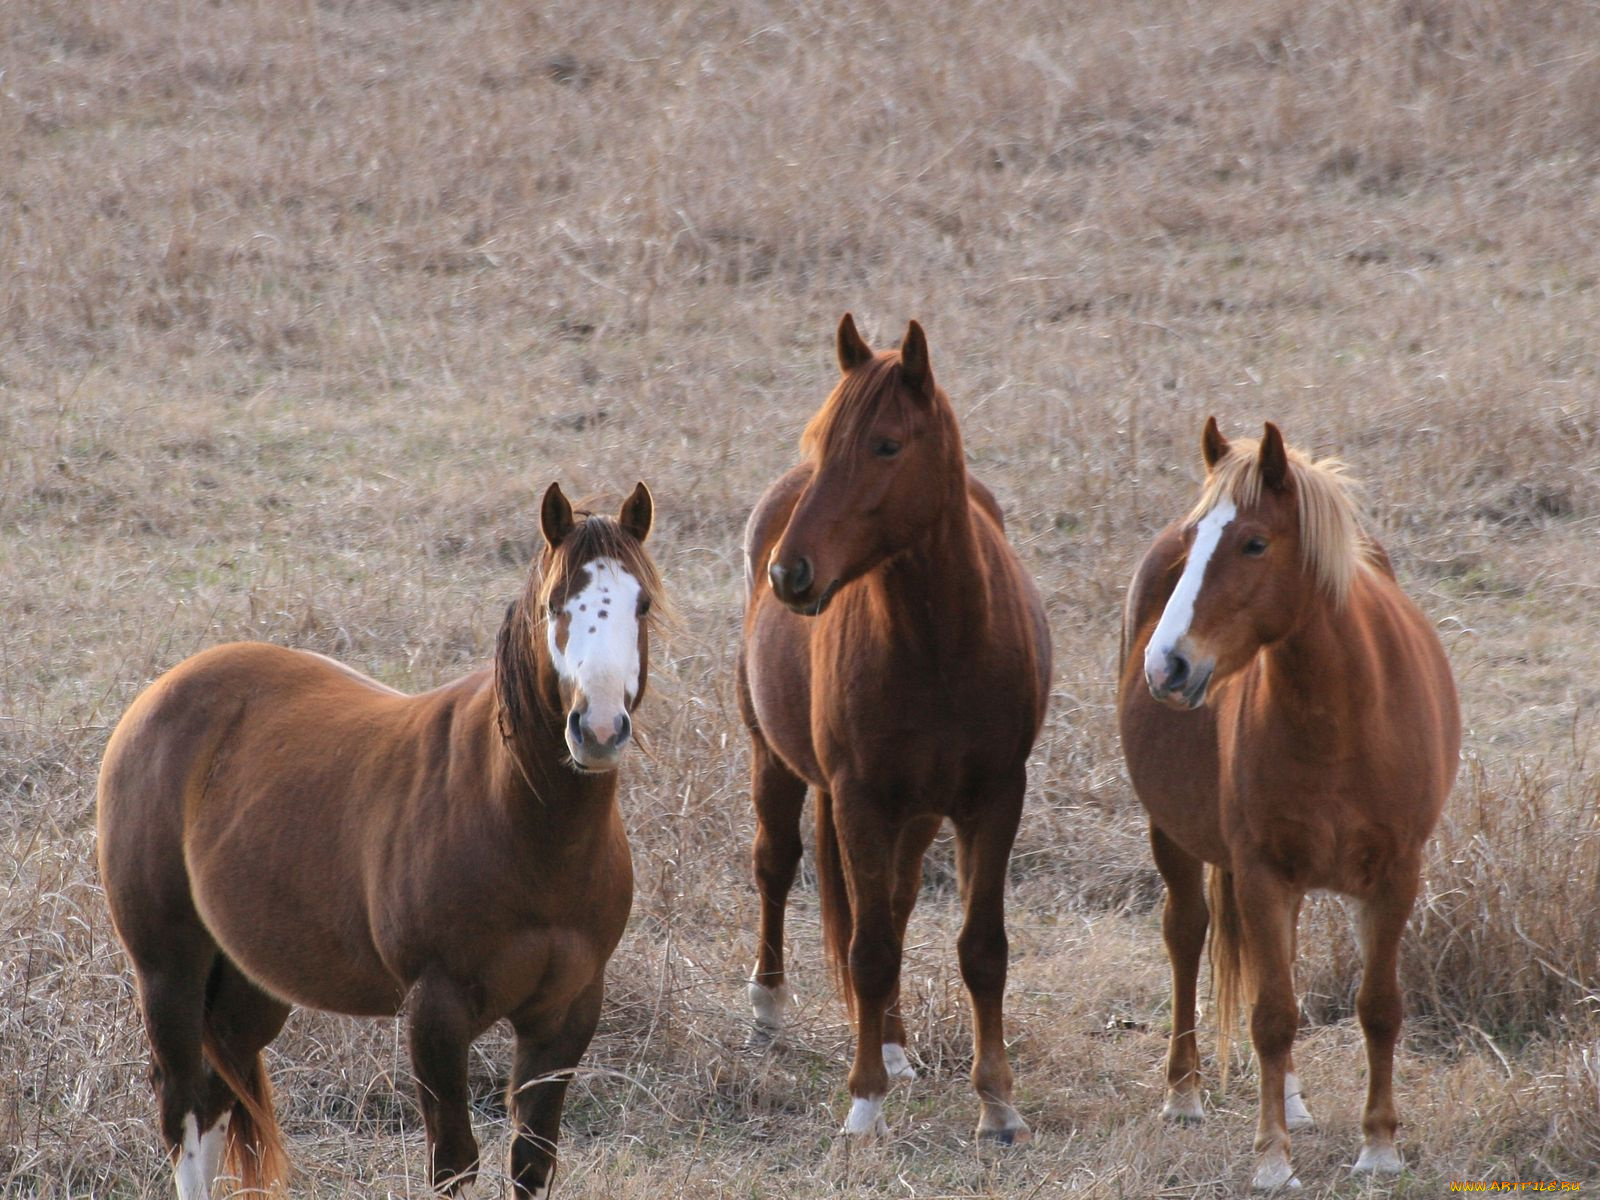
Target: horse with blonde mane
pixel 278 829
pixel 896 660
pixel 1288 717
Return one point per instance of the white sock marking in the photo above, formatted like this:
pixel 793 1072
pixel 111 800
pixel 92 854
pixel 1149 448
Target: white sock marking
pixel 866 1118
pixel 897 1064
pixel 193 1181
pixel 769 1005
pixel 1295 1113
pixel 1179 613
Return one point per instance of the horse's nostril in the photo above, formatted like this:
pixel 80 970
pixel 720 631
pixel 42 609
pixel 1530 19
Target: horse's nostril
pixel 575 727
pixel 800 577
pixel 624 728
pixel 1177 670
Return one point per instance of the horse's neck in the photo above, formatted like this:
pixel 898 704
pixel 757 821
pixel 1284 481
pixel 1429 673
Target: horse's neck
pixel 938 586
pixel 1318 676
pixel 540 790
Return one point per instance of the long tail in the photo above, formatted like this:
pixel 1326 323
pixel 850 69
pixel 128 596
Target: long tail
pixel 834 898
pixel 1230 979
pixel 255 1144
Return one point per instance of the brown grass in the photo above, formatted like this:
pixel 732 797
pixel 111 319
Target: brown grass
pixel 302 304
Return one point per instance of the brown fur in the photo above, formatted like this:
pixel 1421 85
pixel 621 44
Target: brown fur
pixel 277 829
pixel 912 695
pixel 1322 756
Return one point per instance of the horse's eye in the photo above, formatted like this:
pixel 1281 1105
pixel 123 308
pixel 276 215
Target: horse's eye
pixel 644 606
pixel 886 448
pixel 1255 547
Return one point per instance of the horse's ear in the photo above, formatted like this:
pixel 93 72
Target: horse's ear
pixel 1274 459
pixel 1212 444
pixel 853 348
pixel 637 512
pixel 915 368
pixel 555 516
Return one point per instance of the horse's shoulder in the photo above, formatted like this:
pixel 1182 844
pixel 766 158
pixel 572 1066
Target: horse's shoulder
pixel 770 515
pixel 980 495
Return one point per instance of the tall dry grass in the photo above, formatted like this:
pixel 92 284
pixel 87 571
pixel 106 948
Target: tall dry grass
pixel 301 304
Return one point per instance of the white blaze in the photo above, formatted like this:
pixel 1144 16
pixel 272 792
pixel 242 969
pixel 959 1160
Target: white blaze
pixel 1179 613
pixel 601 655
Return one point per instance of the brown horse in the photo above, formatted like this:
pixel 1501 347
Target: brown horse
pixel 899 664
pixel 1289 717
pixel 277 829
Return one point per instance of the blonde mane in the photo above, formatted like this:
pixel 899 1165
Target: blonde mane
pixel 1333 544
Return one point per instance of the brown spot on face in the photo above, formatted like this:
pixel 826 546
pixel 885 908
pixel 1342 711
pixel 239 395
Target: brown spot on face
pixel 563 630
pixel 603 614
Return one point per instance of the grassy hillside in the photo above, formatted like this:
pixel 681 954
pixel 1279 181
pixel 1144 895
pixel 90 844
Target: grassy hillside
pixel 301 306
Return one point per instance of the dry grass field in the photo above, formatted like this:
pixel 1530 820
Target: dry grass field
pixel 302 304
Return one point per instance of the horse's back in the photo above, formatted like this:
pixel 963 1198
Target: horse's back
pixel 1171 754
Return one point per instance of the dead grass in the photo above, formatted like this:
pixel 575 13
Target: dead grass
pixel 301 304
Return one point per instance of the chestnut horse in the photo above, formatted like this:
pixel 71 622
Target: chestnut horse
pixel 1288 716
pixel 899 664
pixel 278 829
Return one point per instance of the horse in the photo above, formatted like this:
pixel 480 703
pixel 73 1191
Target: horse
pixel 896 660
pixel 277 829
pixel 1288 716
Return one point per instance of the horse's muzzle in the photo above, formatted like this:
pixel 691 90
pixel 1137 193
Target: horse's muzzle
pixel 1180 683
pixel 795 587
pixel 590 750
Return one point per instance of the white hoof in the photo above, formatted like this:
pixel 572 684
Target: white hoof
pixel 895 1062
pixel 1295 1113
pixel 866 1119
pixel 1184 1108
pixel 1379 1160
pixel 1274 1173
pixel 769 1006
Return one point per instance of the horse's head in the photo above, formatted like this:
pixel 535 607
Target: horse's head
pixel 1271 532
pixel 597 588
pixel 882 449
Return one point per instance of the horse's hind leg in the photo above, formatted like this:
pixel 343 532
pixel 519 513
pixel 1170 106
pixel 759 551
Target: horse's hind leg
pixel 1184 920
pixel 1378 1004
pixel 172 996
pixel 983 847
pixel 779 797
pixel 240 1020
pixel 547 1051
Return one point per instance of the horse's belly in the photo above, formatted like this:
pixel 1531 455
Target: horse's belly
pixel 302 944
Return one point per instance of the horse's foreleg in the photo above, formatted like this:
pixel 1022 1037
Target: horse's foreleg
pixel 983 847
pixel 442 1026
pixel 866 840
pixel 1184 921
pixel 547 1051
pixel 1267 908
pixel 779 797
pixel 914 841
pixel 1378 1004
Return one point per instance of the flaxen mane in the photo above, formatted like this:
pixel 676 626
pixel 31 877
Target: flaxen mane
pixel 1333 543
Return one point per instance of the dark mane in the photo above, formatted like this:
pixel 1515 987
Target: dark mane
pixel 521 642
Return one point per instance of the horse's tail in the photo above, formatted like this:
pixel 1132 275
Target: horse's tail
pixel 255 1144
pixel 834 899
pixel 1230 979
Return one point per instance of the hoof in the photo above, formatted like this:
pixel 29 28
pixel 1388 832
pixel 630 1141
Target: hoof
pixel 1379 1160
pixel 762 1037
pixel 1002 1125
pixel 768 1006
pixel 1274 1173
pixel 895 1062
pixel 1184 1108
pixel 865 1122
